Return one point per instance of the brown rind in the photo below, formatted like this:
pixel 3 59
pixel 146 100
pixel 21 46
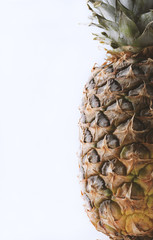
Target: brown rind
pixel 116 158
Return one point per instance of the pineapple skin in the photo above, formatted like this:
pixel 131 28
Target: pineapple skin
pixel 116 157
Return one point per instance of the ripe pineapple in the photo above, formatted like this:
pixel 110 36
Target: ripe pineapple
pixel 116 125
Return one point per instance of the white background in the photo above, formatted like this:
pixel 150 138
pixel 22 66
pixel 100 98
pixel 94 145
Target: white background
pixel 45 60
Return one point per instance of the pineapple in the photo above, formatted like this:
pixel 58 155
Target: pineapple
pixel 116 124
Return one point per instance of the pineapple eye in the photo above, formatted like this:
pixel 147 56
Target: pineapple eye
pixel 94 102
pixel 145 112
pixel 138 125
pixel 134 191
pixel 83 118
pixel 135 150
pixel 137 70
pixel 95 182
pixel 87 136
pixel 101 89
pixel 91 84
pixel 93 156
pixel 146 172
pixel 125 105
pixel 105 168
pixel 141 222
pixel 136 91
pixel 114 86
pixel 112 141
pixel 116 211
pixel 123 72
pixel 102 120
pixel 109 69
pixel 112 106
pixel 108 207
pixel 87 201
pixel 113 166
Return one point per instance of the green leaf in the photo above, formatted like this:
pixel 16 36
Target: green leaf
pixel 128 29
pixel 107 24
pixel 111 27
pixel 107 11
pixel 148 4
pixel 142 6
pixel 125 22
pixel 144 20
pixel 111 2
pixel 127 4
pixel 125 10
pixel 146 38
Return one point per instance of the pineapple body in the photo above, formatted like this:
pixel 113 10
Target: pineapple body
pixel 116 160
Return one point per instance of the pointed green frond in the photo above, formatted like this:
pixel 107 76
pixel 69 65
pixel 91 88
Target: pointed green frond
pixel 142 6
pixel 103 9
pixel 107 24
pixel 126 23
pixel 111 2
pixel 125 10
pixel 108 12
pixel 128 29
pixel 146 38
pixel 127 4
pixel 145 19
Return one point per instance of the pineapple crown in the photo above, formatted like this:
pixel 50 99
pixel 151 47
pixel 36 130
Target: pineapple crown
pixel 125 24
